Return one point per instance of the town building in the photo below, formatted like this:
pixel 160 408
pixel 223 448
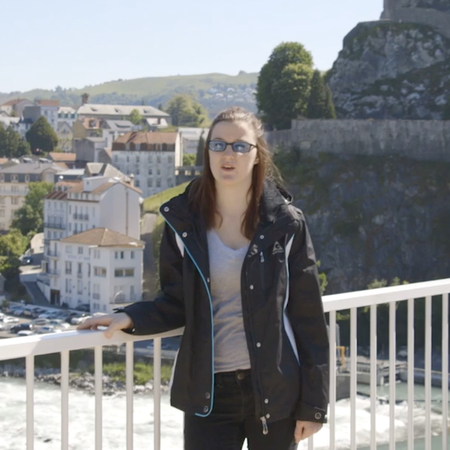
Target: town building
pixel 98 200
pixel 99 267
pixel 122 112
pixel 65 137
pixel 65 160
pixel 47 108
pixel 150 157
pixel 15 107
pixel 14 180
pixel 190 138
pixel 67 114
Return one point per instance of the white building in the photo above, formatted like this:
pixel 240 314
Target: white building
pixel 74 207
pixel 14 181
pixel 99 267
pixel 150 157
pixel 47 108
pixel 190 138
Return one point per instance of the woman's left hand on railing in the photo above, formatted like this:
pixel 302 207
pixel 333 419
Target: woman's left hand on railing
pixel 114 322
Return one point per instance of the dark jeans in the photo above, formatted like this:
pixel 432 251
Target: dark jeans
pixel 233 419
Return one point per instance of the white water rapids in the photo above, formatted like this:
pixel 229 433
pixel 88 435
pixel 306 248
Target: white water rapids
pixel 47 413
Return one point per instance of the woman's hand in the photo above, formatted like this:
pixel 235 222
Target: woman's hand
pixel 114 322
pixel 304 430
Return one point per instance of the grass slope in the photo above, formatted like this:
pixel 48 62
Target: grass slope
pixel 152 204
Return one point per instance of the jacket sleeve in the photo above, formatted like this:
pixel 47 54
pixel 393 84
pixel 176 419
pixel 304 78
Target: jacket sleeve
pixel 166 312
pixel 305 313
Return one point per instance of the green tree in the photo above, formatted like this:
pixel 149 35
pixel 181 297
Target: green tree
pixel 29 217
pixel 11 144
pixel 283 86
pixel 320 103
pixel 13 244
pixel 41 136
pixel 189 159
pixel 330 109
pixel 200 150
pixel 135 117
pixel 186 112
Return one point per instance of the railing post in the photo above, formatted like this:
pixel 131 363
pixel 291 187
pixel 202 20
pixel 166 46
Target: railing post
pixel 29 370
pixel 157 393
pixel 392 374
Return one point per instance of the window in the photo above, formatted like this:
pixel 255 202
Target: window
pixel 80 250
pixel 96 254
pixel 149 182
pixel 96 293
pixel 79 286
pixel 158 158
pixel 14 178
pixel 158 182
pixel 170 159
pixel 68 268
pixel 137 159
pixel 80 268
pixel 150 171
pixel 132 255
pixel 169 182
pixel 2 200
pixel 124 273
pixel 128 158
pixel 70 226
pixel 27 178
pixel 116 255
pixel 136 183
pixel 14 189
pixel 69 249
pixel 99 272
pixel 119 255
pixel 68 286
pixel 14 201
pixel 158 171
pixel 70 209
pixel 150 158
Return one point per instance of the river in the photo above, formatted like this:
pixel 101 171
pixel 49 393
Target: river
pixel 81 416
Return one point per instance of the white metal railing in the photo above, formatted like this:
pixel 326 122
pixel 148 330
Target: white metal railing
pixel 29 347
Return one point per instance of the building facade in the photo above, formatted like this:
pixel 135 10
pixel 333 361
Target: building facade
pixel 14 180
pixel 150 157
pixel 99 267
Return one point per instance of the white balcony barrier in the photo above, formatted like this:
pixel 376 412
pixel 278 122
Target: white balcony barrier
pixel 63 343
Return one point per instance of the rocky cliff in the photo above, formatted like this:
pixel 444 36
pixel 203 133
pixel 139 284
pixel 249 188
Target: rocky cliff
pixel 390 70
pixel 373 217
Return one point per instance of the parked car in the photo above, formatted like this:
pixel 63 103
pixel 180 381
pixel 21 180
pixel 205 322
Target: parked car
pixel 27 260
pixel 40 322
pixel 2 327
pixel 22 326
pixel 9 319
pixel 78 320
pixel 58 323
pixel 46 329
pixel 83 307
pixel 25 333
pixel 1 317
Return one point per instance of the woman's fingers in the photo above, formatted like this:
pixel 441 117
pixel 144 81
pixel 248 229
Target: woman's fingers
pixel 114 322
pixel 304 430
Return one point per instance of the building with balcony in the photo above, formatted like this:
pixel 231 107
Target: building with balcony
pixel 150 157
pixel 14 181
pixel 77 206
pixel 99 267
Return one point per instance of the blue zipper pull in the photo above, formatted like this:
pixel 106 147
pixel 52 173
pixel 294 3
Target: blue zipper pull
pixel 262 257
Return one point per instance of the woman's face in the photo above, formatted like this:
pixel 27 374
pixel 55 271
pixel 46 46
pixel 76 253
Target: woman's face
pixel 231 168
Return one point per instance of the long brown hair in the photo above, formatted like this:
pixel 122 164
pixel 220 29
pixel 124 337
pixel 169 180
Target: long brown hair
pixel 203 193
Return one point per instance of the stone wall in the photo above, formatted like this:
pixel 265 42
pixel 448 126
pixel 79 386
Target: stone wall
pixel 426 140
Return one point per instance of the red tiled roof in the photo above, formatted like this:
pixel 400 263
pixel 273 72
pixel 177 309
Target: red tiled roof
pixel 48 102
pixel 12 102
pixel 139 137
pixel 102 237
pixel 63 157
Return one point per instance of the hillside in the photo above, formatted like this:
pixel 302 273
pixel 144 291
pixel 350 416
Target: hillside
pixel 214 91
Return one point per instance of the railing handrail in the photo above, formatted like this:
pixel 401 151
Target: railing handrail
pixel 44 344
pixel 358 299
pixel 74 340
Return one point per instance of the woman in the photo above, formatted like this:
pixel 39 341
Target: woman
pixel 238 271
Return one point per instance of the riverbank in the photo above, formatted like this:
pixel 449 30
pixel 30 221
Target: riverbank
pixel 85 381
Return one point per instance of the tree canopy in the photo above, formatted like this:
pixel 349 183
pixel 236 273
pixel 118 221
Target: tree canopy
pixel 29 217
pixel 135 117
pixel 320 103
pixel 11 144
pixel 186 112
pixel 283 87
pixel 41 136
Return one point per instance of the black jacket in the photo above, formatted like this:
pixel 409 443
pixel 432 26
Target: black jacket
pixel 280 300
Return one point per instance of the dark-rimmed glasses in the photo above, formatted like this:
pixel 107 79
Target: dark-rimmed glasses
pixel 238 147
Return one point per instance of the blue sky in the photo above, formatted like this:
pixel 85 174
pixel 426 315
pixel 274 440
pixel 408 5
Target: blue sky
pixel 73 44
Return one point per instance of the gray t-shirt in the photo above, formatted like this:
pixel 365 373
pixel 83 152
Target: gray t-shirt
pixel 230 343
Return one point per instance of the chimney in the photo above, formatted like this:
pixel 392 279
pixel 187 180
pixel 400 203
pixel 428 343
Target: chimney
pixel 84 99
pixel 131 183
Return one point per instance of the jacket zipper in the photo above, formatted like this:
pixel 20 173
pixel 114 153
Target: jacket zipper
pixel 264 425
pixel 211 313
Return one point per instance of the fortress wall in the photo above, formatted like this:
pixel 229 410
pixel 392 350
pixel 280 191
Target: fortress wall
pixel 418 139
pixel 438 20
